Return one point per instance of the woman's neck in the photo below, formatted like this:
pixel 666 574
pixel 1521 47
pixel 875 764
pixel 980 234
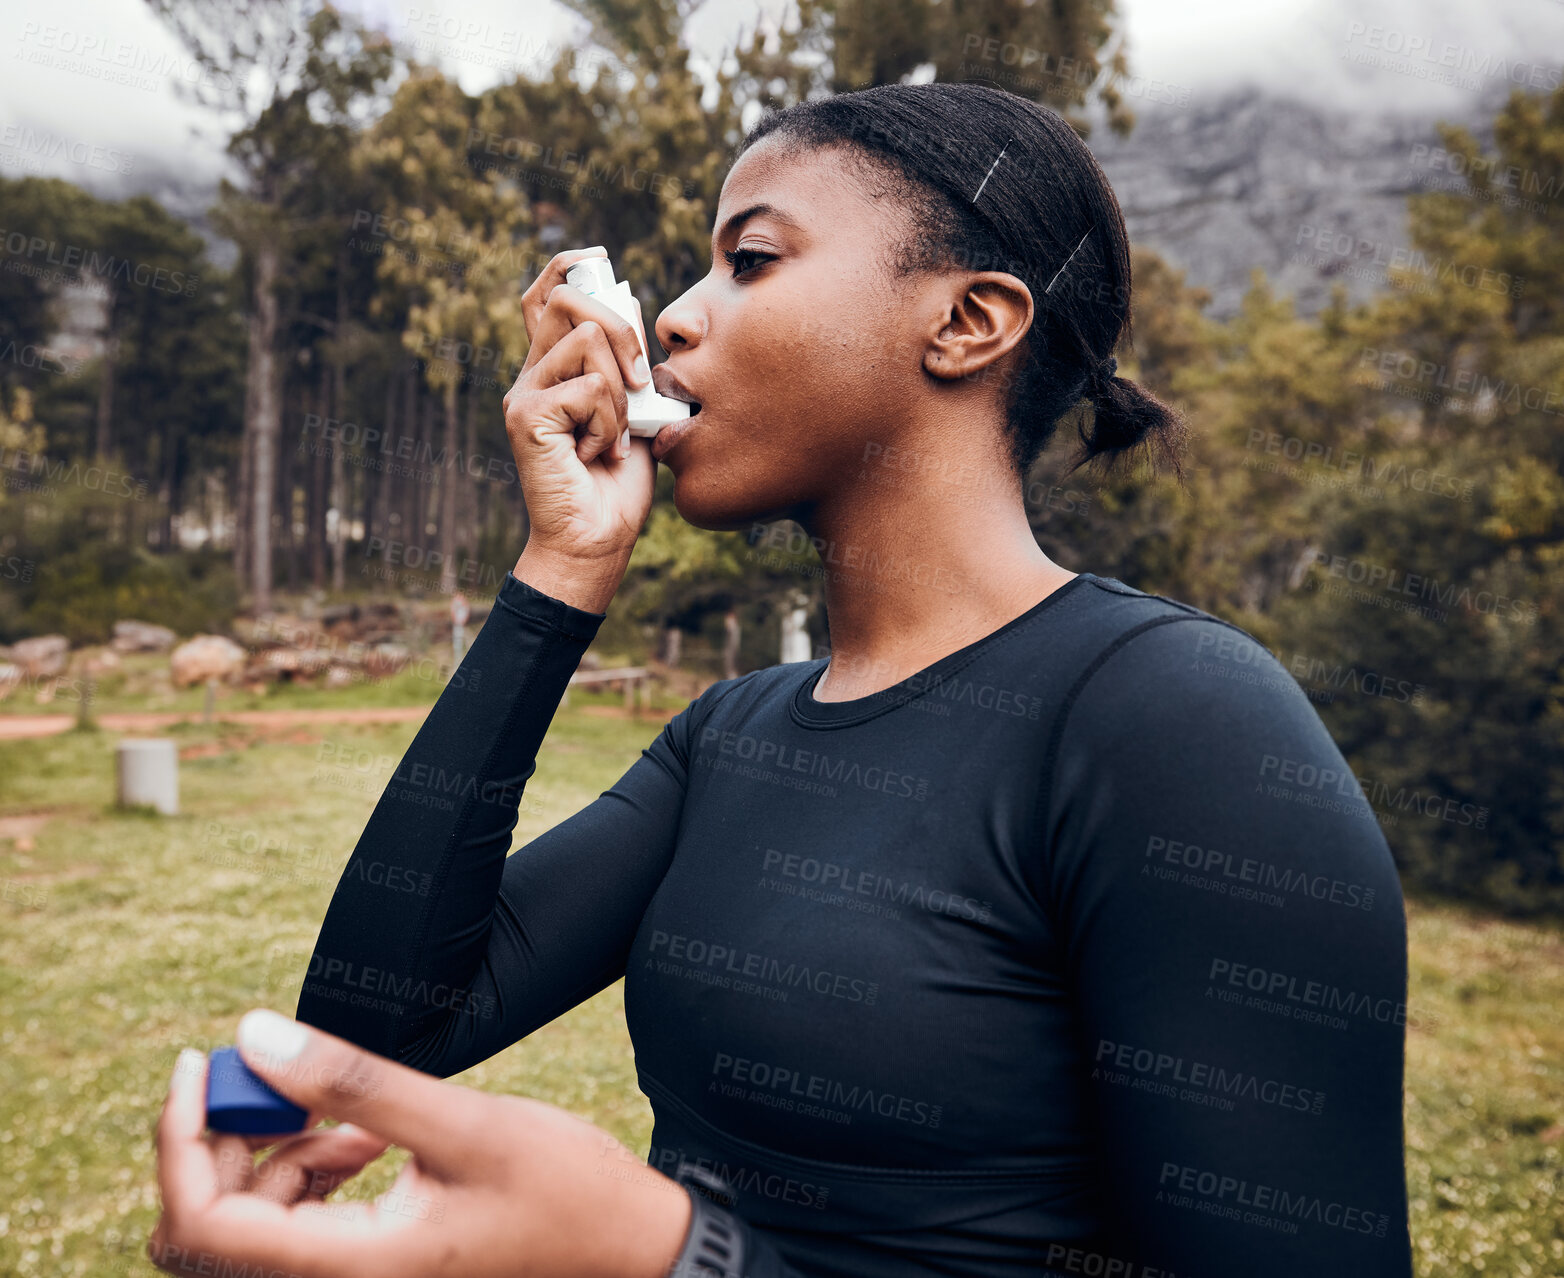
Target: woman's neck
pixel 916 569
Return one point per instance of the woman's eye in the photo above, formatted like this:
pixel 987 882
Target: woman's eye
pixel 743 260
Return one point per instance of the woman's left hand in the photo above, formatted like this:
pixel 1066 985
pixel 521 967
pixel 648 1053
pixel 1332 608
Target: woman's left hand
pixel 495 1186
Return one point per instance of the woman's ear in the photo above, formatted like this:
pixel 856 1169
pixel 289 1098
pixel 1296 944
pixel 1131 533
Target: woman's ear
pixel 986 320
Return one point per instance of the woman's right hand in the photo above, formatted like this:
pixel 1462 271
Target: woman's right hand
pixel 587 497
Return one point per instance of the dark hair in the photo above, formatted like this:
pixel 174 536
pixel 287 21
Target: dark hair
pixel 1043 211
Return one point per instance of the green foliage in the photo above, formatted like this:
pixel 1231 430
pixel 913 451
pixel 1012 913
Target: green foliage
pixel 1378 499
pixel 83 579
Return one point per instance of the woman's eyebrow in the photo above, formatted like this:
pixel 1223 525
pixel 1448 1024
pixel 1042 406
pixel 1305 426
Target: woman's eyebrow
pixel 755 210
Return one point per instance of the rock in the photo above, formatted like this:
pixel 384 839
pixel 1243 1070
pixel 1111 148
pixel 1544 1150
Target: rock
pixel 339 677
pixel 205 657
pixel 1224 181
pixel 10 676
pixel 142 636
pixel 385 659
pixel 287 664
pixel 42 657
pixel 96 661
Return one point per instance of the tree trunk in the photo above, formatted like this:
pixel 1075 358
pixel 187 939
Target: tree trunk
pixel 263 369
pixel 288 468
pixel 450 481
pixel 380 512
pixel 673 645
pixel 282 501
pixel 339 398
pixel 468 538
pixel 730 645
pixel 315 521
pixel 105 421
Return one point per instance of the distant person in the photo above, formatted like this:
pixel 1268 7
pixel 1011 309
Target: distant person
pixel 1039 929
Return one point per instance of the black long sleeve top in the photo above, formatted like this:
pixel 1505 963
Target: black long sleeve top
pixel 1078 952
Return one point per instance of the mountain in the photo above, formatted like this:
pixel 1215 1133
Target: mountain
pixel 1308 194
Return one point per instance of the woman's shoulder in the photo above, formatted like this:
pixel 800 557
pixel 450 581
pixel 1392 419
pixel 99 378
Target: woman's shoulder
pixel 1163 664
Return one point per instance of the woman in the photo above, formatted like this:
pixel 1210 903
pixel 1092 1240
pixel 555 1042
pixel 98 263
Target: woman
pixel 1031 931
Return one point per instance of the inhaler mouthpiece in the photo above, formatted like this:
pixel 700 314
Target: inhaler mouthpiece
pixel 649 411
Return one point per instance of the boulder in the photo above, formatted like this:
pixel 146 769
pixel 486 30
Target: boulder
pixel 142 636
pixel 42 657
pixel 385 659
pixel 96 662
pixel 205 657
pixel 10 676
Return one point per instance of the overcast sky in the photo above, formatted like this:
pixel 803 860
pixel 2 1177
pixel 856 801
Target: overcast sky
pixel 94 78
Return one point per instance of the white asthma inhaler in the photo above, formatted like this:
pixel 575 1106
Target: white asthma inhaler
pixel 649 411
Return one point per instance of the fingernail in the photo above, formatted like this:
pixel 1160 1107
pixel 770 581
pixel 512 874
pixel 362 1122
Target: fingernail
pixel 188 1065
pixel 624 442
pixel 642 370
pixel 596 248
pixel 265 1033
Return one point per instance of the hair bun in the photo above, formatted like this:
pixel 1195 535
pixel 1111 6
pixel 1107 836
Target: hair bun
pixel 1126 416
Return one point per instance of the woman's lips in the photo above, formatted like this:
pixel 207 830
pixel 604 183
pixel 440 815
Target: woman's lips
pixel 671 434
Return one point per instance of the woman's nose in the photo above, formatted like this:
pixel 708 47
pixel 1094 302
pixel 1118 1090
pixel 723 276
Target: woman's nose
pixel 681 323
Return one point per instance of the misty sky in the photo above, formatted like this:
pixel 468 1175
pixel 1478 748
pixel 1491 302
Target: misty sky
pixel 1367 56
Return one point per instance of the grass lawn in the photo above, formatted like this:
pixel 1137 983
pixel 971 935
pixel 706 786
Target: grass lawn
pixel 124 937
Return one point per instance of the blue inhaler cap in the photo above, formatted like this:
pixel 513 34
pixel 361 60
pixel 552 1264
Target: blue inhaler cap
pixel 238 1100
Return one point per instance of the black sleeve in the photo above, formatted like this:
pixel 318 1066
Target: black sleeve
pixel 438 949
pixel 1236 939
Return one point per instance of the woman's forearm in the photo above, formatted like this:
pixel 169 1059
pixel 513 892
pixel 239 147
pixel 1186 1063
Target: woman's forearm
pixel 409 923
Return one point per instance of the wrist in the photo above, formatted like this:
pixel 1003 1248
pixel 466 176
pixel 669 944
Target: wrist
pixel 583 582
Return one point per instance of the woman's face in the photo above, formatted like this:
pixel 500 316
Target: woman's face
pixel 804 352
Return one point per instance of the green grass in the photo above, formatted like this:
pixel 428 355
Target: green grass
pixel 125 936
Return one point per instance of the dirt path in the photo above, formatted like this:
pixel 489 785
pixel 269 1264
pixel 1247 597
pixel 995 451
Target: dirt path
pixel 17 726
pixel 47 725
